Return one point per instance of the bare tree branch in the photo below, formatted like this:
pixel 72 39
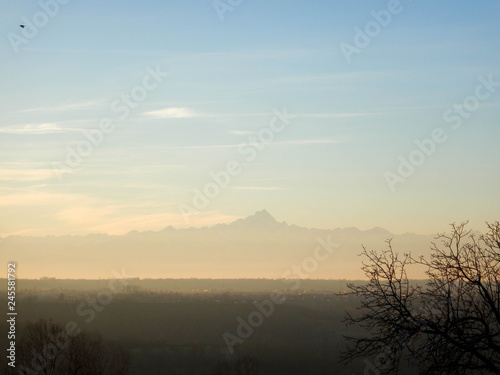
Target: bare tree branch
pixel 450 326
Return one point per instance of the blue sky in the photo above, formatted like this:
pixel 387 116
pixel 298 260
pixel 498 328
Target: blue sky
pixel 226 78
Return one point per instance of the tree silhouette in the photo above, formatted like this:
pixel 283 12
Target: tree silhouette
pixel 245 365
pixel 221 368
pixel 449 326
pixel 45 348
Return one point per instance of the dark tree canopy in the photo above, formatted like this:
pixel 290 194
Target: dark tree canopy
pixel 46 348
pixel 245 365
pixel 449 326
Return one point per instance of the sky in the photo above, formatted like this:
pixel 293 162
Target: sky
pixel 136 115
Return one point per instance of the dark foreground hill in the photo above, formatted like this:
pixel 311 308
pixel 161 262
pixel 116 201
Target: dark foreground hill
pixel 175 333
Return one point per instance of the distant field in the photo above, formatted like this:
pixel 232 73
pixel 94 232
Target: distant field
pixel 182 285
pixel 182 333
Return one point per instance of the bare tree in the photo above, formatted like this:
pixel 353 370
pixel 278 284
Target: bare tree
pixel 221 368
pixel 119 360
pixel 247 366
pixel 45 348
pixel 85 355
pixel 41 347
pixel 449 326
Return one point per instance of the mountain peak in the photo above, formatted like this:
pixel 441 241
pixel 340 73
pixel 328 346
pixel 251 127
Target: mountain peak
pixel 261 219
pixel 262 215
pixel 379 231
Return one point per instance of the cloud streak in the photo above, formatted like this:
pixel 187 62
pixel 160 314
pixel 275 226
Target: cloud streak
pixel 63 107
pixel 172 112
pixel 296 142
pixel 43 128
pixel 26 175
pixel 186 112
pixel 257 188
pixel 338 115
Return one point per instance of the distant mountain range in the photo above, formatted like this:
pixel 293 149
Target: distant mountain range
pixel 254 247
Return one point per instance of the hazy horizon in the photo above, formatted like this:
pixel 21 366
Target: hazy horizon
pixel 233 220
pixel 257 246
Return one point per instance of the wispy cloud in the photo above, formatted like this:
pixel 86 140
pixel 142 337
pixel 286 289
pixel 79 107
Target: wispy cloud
pixel 337 78
pixel 295 142
pixel 241 132
pixel 172 112
pixel 26 175
pixel 198 147
pixel 156 221
pixel 186 112
pixel 63 107
pixel 311 141
pixel 257 188
pixel 338 115
pixel 246 54
pixel 43 128
pixel 38 198
pixel 85 215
